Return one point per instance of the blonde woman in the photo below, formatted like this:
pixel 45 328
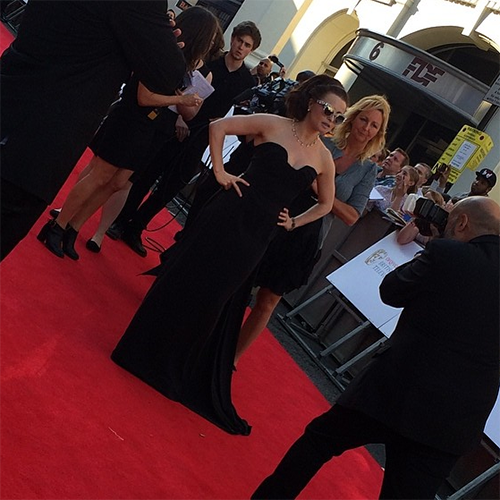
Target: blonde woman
pixel 291 257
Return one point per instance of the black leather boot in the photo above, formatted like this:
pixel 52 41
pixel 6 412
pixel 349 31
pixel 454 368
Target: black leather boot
pixel 52 235
pixel 68 242
pixel 134 241
pixel 115 231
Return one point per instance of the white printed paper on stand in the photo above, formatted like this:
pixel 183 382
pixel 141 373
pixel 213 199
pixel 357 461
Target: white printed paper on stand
pixel 389 326
pixel 492 429
pixel 359 279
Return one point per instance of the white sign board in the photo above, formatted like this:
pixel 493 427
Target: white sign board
pixel 359 279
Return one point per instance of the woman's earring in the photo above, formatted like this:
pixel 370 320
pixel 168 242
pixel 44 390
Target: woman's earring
pixel 308 109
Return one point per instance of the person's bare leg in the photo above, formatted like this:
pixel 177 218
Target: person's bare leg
pixel 100 196
pixel 81 175
pixel 265 303
pixel 110 211
pixel 100 174
pixel 84 172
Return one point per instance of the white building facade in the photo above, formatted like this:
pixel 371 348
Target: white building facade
pixel 458 37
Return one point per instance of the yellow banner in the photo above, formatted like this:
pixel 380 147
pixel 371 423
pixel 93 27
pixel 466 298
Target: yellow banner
pixel 467 150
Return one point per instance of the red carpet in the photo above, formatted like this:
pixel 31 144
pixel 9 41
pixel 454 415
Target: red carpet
pixel 75 426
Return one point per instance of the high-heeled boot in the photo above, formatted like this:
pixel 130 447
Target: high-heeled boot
pixel 52 236
pixel 68 242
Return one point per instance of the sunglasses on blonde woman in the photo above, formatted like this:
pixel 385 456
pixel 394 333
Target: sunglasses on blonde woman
pixel 328 110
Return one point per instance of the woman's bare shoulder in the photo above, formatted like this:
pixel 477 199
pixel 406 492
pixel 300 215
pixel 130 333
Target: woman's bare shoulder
pixel 326 157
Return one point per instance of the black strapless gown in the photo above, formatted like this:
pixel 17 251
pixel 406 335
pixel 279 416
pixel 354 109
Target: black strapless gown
pixel 183 337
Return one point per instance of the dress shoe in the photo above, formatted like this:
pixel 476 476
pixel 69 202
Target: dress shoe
pixel 68 242
pixel 115 231
pixel 92 246
pixel 55 212
pixel 52 236
pixel 134 241
pixel 178 235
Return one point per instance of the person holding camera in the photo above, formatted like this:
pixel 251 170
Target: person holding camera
pixel 413 230
pixel 428 392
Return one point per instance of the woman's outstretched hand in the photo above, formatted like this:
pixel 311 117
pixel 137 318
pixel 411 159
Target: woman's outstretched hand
pixel 228 181
pixel 286 221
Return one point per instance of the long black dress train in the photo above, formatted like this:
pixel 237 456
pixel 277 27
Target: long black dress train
pixel 183 337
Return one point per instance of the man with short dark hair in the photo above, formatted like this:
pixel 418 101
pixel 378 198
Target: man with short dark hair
pixel 428 393
pixel 391 166
pixel 424 174
pixel 58 79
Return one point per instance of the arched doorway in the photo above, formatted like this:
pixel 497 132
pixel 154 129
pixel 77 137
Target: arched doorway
pixel 323 51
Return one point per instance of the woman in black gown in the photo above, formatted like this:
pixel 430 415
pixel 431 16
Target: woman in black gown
pixel 182 339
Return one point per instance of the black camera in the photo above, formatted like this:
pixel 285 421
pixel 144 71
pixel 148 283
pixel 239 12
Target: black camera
pixel 267 98
pixel 275 60
pixel 426 213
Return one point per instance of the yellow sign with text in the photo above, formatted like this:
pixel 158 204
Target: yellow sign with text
pixel 467 150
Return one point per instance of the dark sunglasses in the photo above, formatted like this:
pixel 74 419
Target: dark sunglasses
pixel 328 110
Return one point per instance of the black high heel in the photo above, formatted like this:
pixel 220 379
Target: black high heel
pixel 68 242
pixel 52 236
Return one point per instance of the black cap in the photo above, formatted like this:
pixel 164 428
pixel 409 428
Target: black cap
pixel 488 175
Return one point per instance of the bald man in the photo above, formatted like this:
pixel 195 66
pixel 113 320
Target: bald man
pixel 262 71
pixel 428 395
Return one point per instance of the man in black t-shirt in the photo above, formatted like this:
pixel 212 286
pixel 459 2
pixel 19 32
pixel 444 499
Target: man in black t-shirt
pixel 58 79
pixel 230 77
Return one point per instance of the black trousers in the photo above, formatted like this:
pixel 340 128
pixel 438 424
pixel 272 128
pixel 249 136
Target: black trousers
pixel 20 211
pixel 143 180
pixel 180 164
pixel 412 470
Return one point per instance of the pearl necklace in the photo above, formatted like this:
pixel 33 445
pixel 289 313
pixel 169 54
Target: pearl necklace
pixel 294 131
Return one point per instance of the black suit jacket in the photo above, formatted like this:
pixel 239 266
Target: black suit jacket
pixel 439 379
pixel 63 71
